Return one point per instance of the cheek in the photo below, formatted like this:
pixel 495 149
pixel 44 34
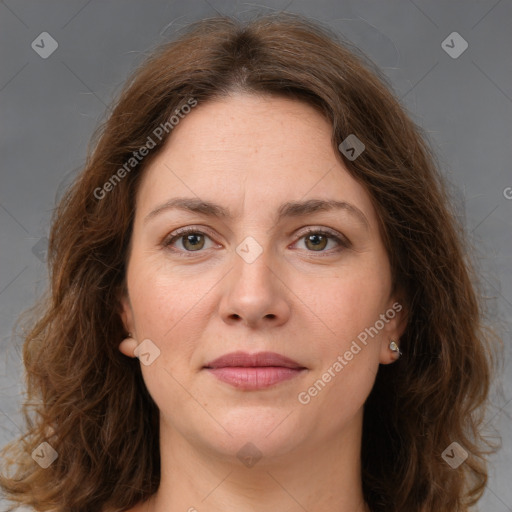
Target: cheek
pixel 163 299
pixel 347 304
pixel 160 312
pixel 348 358
pixel 168 311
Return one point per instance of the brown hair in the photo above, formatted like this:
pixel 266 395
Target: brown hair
pixel 89 401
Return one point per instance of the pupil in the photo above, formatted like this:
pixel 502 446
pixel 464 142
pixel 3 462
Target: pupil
pixel 193 241
pixel 318 241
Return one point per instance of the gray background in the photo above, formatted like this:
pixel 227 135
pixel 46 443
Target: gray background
pixel 50 107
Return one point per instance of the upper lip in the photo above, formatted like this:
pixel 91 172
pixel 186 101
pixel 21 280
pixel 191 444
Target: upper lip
pixel 253 360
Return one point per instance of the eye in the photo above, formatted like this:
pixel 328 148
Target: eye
pixel 191 240
pixel 316 240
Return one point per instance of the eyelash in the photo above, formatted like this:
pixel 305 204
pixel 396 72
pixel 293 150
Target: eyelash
pixel 341 241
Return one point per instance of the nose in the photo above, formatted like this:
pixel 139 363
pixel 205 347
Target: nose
pixel 254 294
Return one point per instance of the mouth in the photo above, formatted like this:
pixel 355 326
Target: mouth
pixel 254 371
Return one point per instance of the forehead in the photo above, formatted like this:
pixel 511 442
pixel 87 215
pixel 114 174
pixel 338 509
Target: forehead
pixel 250 152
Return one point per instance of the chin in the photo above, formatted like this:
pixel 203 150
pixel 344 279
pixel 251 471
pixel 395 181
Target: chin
pixel 258 429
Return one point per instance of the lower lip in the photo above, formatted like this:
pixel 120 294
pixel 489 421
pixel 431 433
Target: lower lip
pixel 257 377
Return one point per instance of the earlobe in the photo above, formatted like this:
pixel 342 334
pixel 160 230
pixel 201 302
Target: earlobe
pixel 390 351
pixel 393 346
pixel 128 346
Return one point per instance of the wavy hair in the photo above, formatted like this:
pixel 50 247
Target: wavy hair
pixel 89 402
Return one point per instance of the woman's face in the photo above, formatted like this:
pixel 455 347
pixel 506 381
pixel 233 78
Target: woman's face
pixel 264 268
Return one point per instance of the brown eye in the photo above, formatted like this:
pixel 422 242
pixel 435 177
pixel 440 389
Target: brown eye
pixel 316 242
pixel 193 242
pixel 188 240
pixel 323 241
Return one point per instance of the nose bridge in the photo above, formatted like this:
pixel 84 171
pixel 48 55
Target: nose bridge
pixel 251 279
pixel 252 291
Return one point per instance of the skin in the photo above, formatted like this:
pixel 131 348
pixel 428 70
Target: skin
pixel 308 302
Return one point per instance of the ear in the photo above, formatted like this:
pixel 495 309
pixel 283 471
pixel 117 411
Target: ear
pixel 126 313
pixel 129 344
pixel 395 323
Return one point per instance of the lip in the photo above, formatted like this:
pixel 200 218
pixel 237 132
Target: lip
pixel 260 359
pixel 254 371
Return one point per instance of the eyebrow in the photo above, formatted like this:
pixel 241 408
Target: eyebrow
pixel 286 210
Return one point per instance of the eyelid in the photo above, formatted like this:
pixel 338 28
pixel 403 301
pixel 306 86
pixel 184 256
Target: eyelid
pixel 320 229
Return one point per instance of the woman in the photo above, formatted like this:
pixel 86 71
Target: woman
pixel 260 298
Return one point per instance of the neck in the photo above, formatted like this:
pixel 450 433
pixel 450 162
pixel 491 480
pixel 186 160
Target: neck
pixel 323 477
